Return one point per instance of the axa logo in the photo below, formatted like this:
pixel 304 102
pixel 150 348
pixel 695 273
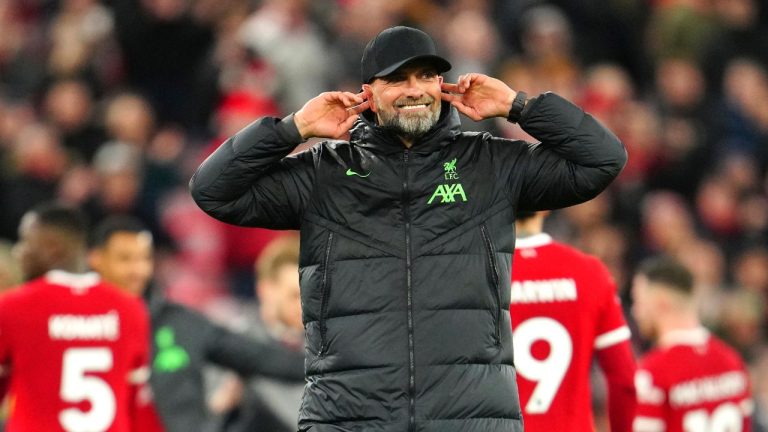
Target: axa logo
pixel 450 192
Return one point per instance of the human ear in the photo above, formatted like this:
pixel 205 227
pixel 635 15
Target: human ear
pixel 368 95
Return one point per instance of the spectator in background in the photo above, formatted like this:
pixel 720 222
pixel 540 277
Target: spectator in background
pixel 146 162
pixel 39 161
pixel 685 112
pixel 130 118
pixel 741 322
pixel 750 269
pixel 165 45
pixel 476 51
pixel 82 43
pixel 740 33
pixel 266 404
pixel 75 347
pixel 667 223
pixel 691 381
pixel 118 170
pixel 69 106
pixel 745 118
pixel 283 33
pixel 568 301
pixel 354 24
pixel 183 341
pixel 546 41
pixel 706 262
pixel 22 63
pixel 681 28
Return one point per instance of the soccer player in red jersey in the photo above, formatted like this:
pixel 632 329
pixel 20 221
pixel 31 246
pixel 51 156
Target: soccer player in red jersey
pixel 75 349
pixel 565 310
pixel 691 381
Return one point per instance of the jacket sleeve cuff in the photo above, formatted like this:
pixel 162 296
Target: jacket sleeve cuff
pixel 286 129
pixel 528 106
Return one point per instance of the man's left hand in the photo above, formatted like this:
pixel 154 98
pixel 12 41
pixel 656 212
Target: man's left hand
pixel 479 96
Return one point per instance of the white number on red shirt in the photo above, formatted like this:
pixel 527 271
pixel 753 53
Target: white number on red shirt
pixel 548 372
pixel 725 418
pixel 77 386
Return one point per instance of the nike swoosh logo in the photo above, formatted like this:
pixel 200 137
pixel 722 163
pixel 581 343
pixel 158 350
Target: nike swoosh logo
pixel 351 173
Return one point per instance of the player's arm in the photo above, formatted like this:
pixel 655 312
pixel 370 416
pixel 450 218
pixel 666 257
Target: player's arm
pixel 613 350
pixel 618 366
pixel 651 402
pixel 248 356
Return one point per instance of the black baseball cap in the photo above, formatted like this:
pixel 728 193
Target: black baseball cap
pixel 396 46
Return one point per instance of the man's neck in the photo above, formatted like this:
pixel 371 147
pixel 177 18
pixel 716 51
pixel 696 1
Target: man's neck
pixel 75 265
pixel 525 232
pixel 529 227
pixel 675 325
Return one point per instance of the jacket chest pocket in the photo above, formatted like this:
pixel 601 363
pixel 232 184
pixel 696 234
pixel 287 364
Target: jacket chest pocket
pixel 325 294
pixel 492 271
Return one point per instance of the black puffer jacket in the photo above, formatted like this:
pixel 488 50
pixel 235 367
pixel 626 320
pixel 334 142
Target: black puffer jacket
pixel 405 256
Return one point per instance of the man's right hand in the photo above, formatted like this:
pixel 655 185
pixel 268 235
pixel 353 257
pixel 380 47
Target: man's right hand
pixel 330 115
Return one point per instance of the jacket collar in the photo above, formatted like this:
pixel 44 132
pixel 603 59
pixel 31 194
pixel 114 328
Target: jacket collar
pixel 366 133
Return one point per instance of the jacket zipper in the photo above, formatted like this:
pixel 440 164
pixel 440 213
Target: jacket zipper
pixel 409 288
pixel 324 295
pixel 494 273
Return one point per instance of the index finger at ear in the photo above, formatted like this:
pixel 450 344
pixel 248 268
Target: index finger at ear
pixel 449 97
pixel 357 109
pixel 452 88
pixel 354 97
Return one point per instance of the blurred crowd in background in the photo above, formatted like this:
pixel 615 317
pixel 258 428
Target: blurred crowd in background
pixel 112 104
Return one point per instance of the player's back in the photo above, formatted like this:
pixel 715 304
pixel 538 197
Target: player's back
pixel 693 383
pixel 564 306
pixel 72 345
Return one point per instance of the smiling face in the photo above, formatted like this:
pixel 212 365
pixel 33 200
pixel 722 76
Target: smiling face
pixel 407 100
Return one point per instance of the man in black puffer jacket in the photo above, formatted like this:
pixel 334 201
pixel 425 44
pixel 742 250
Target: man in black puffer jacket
pixel 407 231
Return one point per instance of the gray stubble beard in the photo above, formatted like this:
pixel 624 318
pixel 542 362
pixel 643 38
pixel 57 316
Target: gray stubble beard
pixel 413 125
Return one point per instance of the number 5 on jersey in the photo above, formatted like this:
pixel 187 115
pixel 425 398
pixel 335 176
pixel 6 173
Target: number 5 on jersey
pixel 78 386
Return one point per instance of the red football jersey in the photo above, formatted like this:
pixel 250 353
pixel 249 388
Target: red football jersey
pixel 74 348
pixel 693 382
pixel 564 307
